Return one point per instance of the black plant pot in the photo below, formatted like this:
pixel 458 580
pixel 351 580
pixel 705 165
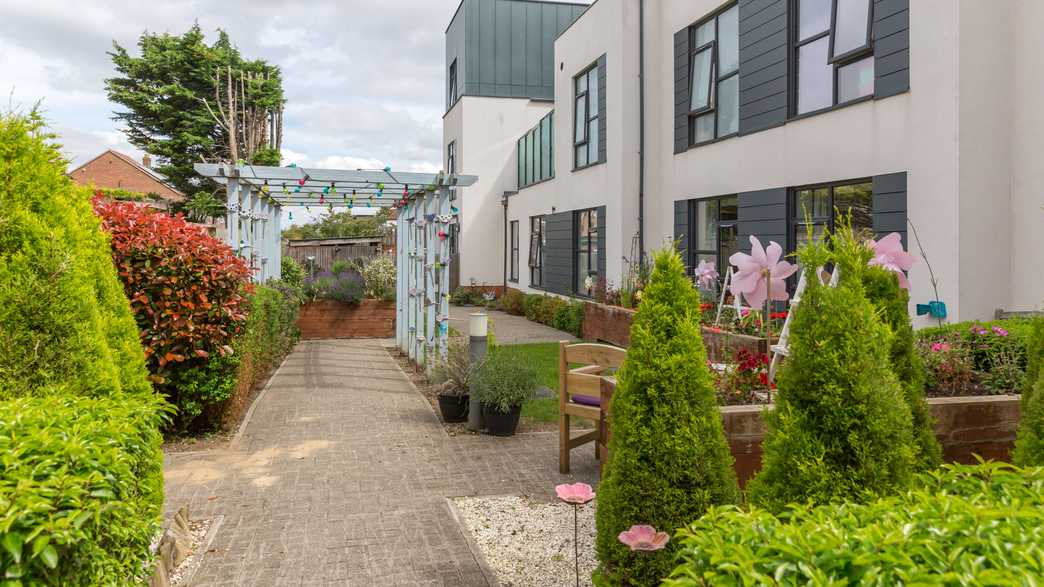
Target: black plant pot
pixel 499 423
pixel 454 408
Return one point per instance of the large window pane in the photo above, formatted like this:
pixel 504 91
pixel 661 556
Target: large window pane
pixel 581 118
pixel 814 16
pixel 529 158
pixel 545 148
pixel 728 106
pixel 707 225
pixel 592 141
pixel 814 203
pixel 581 155
pixel 858 200
pixel 581 84
pixel 728 243
pixel 850 27
pixel 705 128
pixel 592 94
pixel 704 34
pixel 728 209
pixel 702 74
pixel 855 80
pixel 815 77
pixel 728 41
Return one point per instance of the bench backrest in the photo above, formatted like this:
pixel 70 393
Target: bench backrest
pixel 594 359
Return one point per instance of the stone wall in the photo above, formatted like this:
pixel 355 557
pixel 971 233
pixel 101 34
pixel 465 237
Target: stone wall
pixel 332 319
pixel 965 426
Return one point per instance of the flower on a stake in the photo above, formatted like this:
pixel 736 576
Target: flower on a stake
pixel 576 493
pixel 642 537
pixel 706 274
pixel 761 274
pixel 889 253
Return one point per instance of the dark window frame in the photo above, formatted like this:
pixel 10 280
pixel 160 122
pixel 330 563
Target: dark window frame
pixel 592 248
pixel 451 157
pixel 530 150
pixel 796 223
pixel 713 81
pixel 586 95
pixel 537 240
pixel 452 92
pixel 694 253
pixel 836 62
pixel 513 263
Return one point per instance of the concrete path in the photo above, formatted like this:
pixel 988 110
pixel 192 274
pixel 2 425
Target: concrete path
pixel 341 478
pixel 508 328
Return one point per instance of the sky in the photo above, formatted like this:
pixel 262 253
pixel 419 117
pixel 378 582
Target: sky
pixel 364 80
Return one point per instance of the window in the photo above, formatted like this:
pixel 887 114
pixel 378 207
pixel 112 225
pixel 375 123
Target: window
pixel 714 77
pixel 514 251
pixel 833 52
pixel 714 237
pixel 537 240
pixel 585 118
pixel 451 157
pixel 815 208
pixel 586 231
pixel 535 157
pixel 452 95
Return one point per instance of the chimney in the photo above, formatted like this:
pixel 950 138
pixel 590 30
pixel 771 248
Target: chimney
pixel 146 161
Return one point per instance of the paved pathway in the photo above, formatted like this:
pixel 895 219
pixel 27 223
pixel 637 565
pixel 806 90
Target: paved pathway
pixel 508 328
pixel 341 475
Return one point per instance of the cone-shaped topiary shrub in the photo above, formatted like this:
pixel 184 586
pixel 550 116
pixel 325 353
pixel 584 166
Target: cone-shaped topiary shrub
pixel 1029 446
pixel 668 457
pixel 65 326
pixel 882 288
pixel 841 428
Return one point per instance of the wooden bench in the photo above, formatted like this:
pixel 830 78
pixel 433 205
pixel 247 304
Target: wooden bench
pixel 580 392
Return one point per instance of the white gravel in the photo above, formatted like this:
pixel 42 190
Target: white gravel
pixel 199 529
pixel 529 543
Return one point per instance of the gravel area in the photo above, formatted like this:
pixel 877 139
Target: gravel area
pixel 529 543
pixel 187 568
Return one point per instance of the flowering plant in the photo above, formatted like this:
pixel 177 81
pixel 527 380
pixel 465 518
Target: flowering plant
pixel 741 382
pixel 949 365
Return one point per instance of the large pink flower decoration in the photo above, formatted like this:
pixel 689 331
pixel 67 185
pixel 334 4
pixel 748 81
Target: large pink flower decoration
pixel 706 274
pixel 577 493
pixel 761 274
pixel 889 253
pixel 643 537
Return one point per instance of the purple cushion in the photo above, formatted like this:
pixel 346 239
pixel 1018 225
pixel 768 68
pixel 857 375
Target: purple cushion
pixel 587 400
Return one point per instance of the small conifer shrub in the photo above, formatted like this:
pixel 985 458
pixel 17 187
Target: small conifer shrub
pixel 668 458
pixel 1029 446
pixel 841 428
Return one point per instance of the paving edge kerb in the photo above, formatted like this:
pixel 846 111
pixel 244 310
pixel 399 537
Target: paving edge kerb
pixel 476 552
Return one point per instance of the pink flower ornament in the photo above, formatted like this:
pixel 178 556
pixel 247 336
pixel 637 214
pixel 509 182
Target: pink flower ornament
pixel 706 274
pixel 576 493
pixel 999 331
pixel 641 537
pixel 889 254
pixel 761 274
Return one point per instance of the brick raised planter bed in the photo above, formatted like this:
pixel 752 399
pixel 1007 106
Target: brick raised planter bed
pixel 331 319
pixel 612 324
pixel 965 426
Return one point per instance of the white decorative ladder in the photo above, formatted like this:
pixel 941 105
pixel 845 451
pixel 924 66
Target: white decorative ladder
pixel 735 299
pixel 782 347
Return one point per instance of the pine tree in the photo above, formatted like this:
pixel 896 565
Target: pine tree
pixel 841 428
pixel 892 301
pixel 1029 446
pixel 65 324
pixel 669 460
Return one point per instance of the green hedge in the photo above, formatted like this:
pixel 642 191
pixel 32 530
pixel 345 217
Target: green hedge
pixel 81 492
pixel 558 313
pixel 1020 337
pixel 964 525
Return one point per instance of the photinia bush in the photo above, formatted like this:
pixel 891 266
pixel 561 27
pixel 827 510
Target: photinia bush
pixel 188 290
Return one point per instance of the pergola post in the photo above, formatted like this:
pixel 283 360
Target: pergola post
pixel 232 213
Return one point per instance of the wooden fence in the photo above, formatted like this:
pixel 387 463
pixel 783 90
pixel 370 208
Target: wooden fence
pixel 324 252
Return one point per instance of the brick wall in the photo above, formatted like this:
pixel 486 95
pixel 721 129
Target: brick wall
pixel 965 426
pixel 331 319
pixel 109 170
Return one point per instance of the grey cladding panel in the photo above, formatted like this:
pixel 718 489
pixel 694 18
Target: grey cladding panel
pixel 601 240
pixel 558 254
pixel 681 228
pixel 681 90
pixel 601 109
pixel 762 213
pixel 763 64
pixel 891 47
pixel 890 204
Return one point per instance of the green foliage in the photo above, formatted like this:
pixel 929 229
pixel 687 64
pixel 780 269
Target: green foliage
pixel 379 275
pixel 347 287
pixel 339 225
pixel 503 382
pixel 569 317
pixel 963 525
pixel 1034 357
pixel 513 302
pixel 841 429
pixel 465 296
pixel 291 274
pixel 267 156
pixel 564 315
pixel 271 328
pixel 65 325
pixel 125 195
pixel 198 392
pixel 340 267
pixel 668 458
pixel 81 489
pixel 163 92
pixel 883 291
pixel 1029 446
pixel 453 374
pixel 982 341
pixel 202 207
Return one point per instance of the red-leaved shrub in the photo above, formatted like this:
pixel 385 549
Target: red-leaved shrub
pixel 187 289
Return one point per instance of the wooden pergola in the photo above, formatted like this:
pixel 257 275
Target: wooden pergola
pixel 427 226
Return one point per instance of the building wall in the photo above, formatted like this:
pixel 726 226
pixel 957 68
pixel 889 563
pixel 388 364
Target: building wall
pixel 486 131
pixel 109 171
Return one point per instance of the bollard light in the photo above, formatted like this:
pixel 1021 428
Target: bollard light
pixel 478 324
